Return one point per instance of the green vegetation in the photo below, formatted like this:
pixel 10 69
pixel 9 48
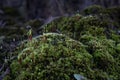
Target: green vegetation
pixel 87 45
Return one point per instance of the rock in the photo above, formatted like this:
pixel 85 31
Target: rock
pixel 79 77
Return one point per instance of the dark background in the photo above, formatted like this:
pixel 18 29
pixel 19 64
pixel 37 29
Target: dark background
pixel 31 9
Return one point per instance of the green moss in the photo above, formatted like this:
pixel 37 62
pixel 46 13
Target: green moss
pixel 114 14
pixel 95 9
pixel 56 56
pixel 52 58
pixel 109 16
pixel 103 59
pixel 86 45
pixel 100 75
pixel 118 47
pixel 115 36
pixel 76 26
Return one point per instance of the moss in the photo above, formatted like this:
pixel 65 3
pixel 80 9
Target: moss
pixel 51 56
pixel 115 36
pixel 94 9
pixel 118 47
pixel 109 16
pixel 114 14
pixel 98 42
pixel 100 75
pixel 60 57
pixel 77 26
pixel 86 45
pixel 103 59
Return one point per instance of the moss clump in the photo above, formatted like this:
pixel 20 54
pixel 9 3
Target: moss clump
pixel 77 25
pixel 115 36
pixel 51 56
pixel 79 45
pixel 56 56
pixel 95 9
pixel 100 41
pixel 99 24
pixel 107 15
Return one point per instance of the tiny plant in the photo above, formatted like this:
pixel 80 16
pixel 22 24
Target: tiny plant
pixel 30 34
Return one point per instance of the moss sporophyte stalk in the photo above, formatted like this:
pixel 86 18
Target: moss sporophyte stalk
pixel 30 34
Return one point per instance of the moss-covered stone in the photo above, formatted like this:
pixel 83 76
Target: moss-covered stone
pixel 77 26
pixel 86 45
pixel 56 56
pixel 95 9
pixel 51 56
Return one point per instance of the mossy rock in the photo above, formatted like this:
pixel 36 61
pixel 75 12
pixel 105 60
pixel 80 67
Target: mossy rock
pixel 86 45
pixel 56 56
pixel 76 26
pixel 51 56
pixel 94 9
pixel 110 16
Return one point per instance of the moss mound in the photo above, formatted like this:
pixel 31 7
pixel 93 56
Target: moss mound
pixel 88 45
pixel 95 9
pixel 78 25
pixel 54 56
pixel 51 56
pixel 102 24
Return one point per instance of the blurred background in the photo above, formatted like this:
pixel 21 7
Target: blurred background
pixel 31 9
